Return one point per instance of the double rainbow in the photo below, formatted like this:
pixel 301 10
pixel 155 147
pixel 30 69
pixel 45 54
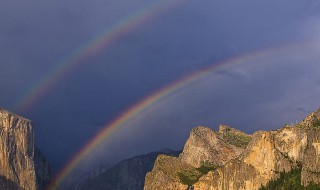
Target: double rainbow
pixel 67 65
pixel 105 39
pixel 154 100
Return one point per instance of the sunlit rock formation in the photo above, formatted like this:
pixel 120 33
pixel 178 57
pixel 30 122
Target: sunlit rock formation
pixel 204 150
pixel 207 146
pixel 242 164
pixel 22 166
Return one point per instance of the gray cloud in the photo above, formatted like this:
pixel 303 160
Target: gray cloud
pixel 262 94
pixel 271 97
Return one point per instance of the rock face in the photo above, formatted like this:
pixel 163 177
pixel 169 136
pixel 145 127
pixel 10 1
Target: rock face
pixel 22 166
pixel 205 149
pixel 164 174
pixel 207 146
pixel 267 154
pixel 127 175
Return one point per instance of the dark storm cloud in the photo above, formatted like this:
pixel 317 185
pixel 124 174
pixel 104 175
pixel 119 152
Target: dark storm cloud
pixel 36 35
pixel 265 97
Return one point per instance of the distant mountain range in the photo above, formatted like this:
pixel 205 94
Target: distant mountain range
pixel 129 174
pixel 23 167
pixel 227 159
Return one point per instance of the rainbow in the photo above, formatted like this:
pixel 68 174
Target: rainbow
pixel 153 101
pixel 90 48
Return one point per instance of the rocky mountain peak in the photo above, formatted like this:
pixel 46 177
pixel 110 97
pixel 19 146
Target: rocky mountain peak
pixel 246 161
pixel 201 130
pixel 225 129
pixel 9 120
pixel 311 121
pixel 22 166
pixel 206 146
pixel 204 150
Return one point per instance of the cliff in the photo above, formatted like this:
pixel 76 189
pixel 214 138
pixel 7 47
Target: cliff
pixel 266 155
pixel 204 150
pixel 207 146
pixel 22 166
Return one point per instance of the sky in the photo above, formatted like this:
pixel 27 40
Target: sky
pixel 252 64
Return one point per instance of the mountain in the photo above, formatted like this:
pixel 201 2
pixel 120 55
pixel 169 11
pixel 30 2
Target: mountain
pixel 230 159
pixel 22 165
pixel 204 150
pixel 129 174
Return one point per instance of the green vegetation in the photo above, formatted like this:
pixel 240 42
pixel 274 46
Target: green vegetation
pixel 299 125
pixel 191 176
pixel 237 140
pixel 289 181
pixel 206 167
pixel 316 123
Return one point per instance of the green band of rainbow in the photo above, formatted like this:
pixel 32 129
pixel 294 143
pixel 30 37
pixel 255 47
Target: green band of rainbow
pixel 147 104
pixel 103 40
pixel 66 66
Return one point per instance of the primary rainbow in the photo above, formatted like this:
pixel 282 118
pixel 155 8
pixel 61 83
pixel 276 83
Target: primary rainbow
pixel 67 65
pixel 154 100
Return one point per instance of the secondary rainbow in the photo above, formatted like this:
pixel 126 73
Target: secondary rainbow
pixel 150 102
pixel 66 66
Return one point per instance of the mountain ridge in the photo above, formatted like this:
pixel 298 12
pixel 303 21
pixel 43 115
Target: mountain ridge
pixel 266 155
pixel 128 174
